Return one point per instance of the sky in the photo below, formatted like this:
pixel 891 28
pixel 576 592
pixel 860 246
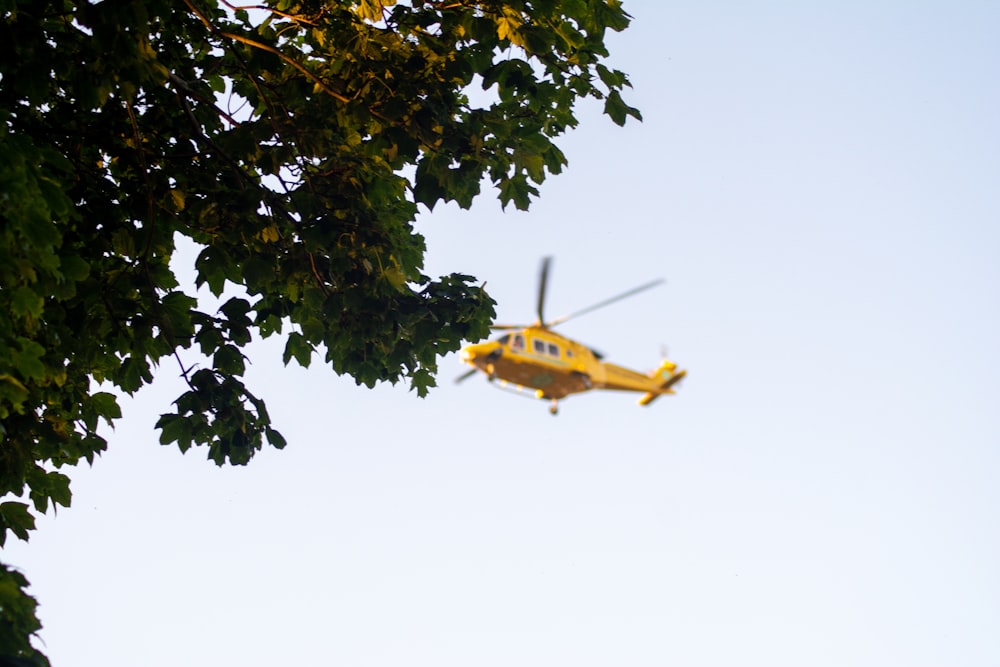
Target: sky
pixel 819 184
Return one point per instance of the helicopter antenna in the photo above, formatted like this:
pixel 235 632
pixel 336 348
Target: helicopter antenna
pixel 607 302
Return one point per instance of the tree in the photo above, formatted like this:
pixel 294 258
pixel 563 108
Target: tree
pixel 292 141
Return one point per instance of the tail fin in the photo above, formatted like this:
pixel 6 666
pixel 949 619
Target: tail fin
pixel 670 375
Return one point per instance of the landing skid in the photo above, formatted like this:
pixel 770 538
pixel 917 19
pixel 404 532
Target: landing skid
pixel 522 391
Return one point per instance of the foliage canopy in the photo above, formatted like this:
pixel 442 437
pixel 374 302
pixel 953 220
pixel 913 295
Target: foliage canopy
pixel 292 141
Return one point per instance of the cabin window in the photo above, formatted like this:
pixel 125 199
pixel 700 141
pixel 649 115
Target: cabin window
pixel 553 350
pixel 503 339
pixel 538 346
pixel 518 343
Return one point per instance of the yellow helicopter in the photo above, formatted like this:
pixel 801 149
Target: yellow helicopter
pixel 536 357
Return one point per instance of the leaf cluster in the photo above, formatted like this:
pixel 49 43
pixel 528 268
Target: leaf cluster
pixel 18 621
pixel 292 142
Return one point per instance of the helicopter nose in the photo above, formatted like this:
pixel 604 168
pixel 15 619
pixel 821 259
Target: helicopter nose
pixel 470 353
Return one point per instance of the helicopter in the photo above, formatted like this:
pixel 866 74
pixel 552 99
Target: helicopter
pixel 536 357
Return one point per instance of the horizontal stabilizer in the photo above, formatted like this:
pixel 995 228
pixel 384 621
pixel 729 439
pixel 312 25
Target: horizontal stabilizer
pixel 667 369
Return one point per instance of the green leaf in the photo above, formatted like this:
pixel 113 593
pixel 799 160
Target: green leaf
pixel 298 348
pixel 59 489
pixel 16 518
pixel 517 190
pixel 133 373
pixel 423 380
pixel 177 308
pixel 229 360
pixel 123 243
pixel 27 360
pixel 235 308
pixel 175 428
pixel 12 393
pixel 106 406
pixel 613 79
pixel 74 267
pixel 46 485
pixel 616 108
pixel 25 301
pixel 18 621
pixel 213 265
pixel 275 439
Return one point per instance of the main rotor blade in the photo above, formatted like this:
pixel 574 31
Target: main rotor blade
pixel 466 375
pixel 543 280
pixel 607 302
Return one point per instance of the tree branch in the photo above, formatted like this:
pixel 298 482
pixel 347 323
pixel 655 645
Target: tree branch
pixel 270 49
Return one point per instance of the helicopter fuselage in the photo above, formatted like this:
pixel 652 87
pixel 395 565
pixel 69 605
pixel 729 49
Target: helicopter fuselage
pixel 538 358
pixel 556 366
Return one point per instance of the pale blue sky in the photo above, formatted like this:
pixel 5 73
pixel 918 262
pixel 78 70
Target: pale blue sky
pixel 820 185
